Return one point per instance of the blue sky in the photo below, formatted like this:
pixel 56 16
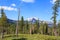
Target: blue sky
pixel 41 9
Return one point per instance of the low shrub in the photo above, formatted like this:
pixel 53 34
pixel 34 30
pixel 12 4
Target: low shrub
pixel 20 39
pixel 31 37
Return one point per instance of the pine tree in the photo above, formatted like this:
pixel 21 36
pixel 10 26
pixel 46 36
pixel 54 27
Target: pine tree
pixel 22 24
pixel 3 22
pixel 26 27
pixel 46 29
pixel 36 26
pixel 41 27
pixel 55 10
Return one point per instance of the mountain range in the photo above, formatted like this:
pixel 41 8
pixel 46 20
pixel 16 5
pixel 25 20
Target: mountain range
pixel 33 19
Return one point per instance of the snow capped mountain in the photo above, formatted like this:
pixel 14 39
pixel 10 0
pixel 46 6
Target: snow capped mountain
pixel 30 19
pixel 33 19
pixel 50 24
pixel 11 21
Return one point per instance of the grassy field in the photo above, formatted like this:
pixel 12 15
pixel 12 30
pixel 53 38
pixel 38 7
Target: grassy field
pixel 31 37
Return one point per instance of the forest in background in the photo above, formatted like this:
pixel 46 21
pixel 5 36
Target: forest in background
pixel 26 27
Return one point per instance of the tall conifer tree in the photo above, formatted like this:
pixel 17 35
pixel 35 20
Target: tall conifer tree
pixel 55 11
pixel 3 22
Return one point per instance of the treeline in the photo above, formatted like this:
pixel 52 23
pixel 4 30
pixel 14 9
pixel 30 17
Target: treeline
pixel 25 27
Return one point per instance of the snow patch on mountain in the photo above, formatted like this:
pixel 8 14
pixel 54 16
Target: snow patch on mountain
pixel 31 18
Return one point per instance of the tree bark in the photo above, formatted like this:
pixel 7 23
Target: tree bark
pixel 55 31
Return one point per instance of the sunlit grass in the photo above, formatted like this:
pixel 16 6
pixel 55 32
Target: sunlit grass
pixel 32 37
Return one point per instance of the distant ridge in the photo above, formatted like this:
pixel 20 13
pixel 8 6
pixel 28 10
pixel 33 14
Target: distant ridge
pixel 33 19
pixel 11 21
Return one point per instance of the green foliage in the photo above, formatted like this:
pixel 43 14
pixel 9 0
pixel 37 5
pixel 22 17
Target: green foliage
pixel 20 39
pixel 3 19
pixel 59 27
pixel 36 26
pixel 41 30
pixel 22 25
pixel 11 29
pixel 27 25
pixel 46 29
pixel 3 23
pixel 55 11
pixel 26 28
pixel 33 37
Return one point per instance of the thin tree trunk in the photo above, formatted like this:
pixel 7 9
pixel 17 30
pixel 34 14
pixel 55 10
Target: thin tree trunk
pixel 2 35
pixel 17 22
pixel 30 30
pixel 23 29
pixel 55 31
pixel 16 31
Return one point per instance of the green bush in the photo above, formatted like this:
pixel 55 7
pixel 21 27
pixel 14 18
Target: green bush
pixel 15 39
pixel 20 39
pixel 31 37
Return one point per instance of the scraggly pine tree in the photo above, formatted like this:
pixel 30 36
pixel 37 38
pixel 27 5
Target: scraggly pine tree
pixel 26 27
pixel 22 24
pixel 46 28
pixel 3 22
pixel 55 11
pixel 36 28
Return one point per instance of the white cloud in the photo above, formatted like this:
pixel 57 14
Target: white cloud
pixel 8 8
pixel 52 1
pixel 13 4
pixel 31 1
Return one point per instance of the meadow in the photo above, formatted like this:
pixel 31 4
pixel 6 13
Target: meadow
pixel 30 37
